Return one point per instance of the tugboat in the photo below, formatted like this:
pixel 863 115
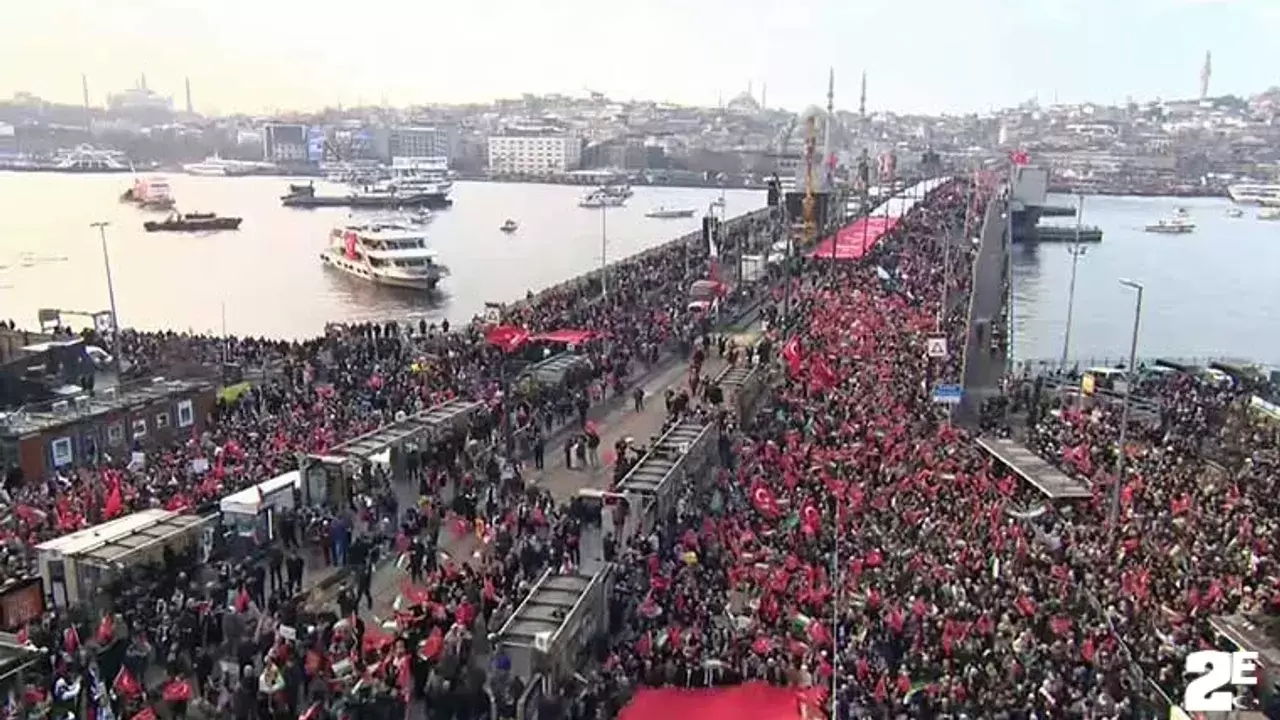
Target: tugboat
pixel 509 226
pixel 192 222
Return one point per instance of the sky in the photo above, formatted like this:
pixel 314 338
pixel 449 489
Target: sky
pixel 919 55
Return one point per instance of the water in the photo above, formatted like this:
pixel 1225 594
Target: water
pixel 1211 293
pixel 268 274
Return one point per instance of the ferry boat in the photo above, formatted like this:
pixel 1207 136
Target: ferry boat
pixel 384 253
pixel 509 226
pixel 215 166
pixel 668 213
pixel 599 199
pixel 150 193
pixel 88 159
pixel 1254 193
pixel 192 222
pixel 375 198
pixel 1179 224
pixel 420 175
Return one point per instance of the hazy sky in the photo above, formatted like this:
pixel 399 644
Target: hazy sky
pixel 920 55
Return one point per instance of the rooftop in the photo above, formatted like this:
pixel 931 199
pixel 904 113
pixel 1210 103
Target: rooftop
pixel 46 416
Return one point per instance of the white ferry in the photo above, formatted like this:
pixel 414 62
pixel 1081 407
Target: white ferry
pixel 420 176
pixel 384 252
pixel 215 166
pixel 1254 194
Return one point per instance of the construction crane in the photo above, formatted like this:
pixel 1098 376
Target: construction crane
pixel 810 146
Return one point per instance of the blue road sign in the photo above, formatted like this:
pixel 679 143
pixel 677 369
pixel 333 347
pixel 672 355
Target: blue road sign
pixel 947 394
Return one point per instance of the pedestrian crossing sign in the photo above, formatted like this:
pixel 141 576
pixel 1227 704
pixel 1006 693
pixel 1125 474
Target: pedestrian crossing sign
pixel 936 346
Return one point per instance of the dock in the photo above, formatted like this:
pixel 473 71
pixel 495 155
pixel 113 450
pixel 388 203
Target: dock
pixel 1064 234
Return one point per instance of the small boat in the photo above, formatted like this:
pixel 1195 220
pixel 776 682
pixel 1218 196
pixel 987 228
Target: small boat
pixel 1271 214
pixel 668 213
pixel 601 199
pixel 1235 213
pixel 192 222
pixel 509 226
pixel 1179 224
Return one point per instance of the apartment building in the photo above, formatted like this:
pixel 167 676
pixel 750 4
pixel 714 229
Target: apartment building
pixel 534 153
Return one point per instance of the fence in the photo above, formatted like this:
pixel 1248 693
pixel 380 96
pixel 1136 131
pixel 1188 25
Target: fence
pixel 1047 366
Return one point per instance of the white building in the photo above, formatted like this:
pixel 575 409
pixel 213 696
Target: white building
pixel 515 153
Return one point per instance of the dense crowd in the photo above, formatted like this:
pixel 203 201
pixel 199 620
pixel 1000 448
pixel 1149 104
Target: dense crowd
pixel 208 629
pixel 864 538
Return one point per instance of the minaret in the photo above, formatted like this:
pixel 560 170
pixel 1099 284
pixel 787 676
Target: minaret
pixel 862 99
pixel 826 140
pixel 190 108
pixel 88 115
pixel 1206 72
pixel 750 94
pixel 764 96
pixel 142 82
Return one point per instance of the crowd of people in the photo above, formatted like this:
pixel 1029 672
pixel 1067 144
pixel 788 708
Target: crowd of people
pixel 852 542
pixel 206 631
pixel 865 546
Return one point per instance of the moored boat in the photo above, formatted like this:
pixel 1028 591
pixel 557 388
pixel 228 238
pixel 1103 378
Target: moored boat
pixel 384 252
pixel 305 196
pixel 192 222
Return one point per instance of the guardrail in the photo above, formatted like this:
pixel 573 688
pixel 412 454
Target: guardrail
pixel 1045 366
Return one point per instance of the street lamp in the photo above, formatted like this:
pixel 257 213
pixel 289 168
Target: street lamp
pixel 604 250
pixel 111 295
pixel 1124 412
pixel 1076 251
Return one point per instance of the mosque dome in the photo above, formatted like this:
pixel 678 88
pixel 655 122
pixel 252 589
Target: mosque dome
pixel 744 103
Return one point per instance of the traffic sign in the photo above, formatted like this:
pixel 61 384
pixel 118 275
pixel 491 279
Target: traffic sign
pixel 936 346
pixel 492 313
pixel 947 394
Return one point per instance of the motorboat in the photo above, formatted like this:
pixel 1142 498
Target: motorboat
pixel 1235 213
pixel 384 252
pixel 1269 214
pixel 509 226
pixel 599 199
pixel 665 213
pixel 192 222
pixel 150 194
pixel 1179 224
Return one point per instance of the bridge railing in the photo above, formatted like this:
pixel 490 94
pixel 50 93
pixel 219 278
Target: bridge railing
pixel 1048 366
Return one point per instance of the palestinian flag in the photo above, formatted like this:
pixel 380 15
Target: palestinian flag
pixel 809 629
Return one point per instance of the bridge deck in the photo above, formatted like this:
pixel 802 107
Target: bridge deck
pixel 1048 479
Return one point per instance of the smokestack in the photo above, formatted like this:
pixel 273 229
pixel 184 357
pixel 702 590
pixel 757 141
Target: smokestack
pixel 1206 73
pixel 862 99
pixel 190 108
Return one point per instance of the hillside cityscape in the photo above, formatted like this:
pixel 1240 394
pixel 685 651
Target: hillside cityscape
pixel 1155 147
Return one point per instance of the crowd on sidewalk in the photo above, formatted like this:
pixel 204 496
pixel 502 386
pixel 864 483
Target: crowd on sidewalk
pixel 200 628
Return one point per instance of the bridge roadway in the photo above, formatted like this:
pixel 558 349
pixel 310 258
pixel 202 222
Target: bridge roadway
pixel 984 367
pixel 616 421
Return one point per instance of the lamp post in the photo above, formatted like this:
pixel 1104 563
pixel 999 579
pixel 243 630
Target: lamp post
pixel 604 251
pixel 1124 412
pixel 101 225
pixel 1076 251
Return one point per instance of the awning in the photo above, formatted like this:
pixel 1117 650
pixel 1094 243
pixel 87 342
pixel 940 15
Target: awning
pixel 567 336
pixel 854 241
pixel 506 337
